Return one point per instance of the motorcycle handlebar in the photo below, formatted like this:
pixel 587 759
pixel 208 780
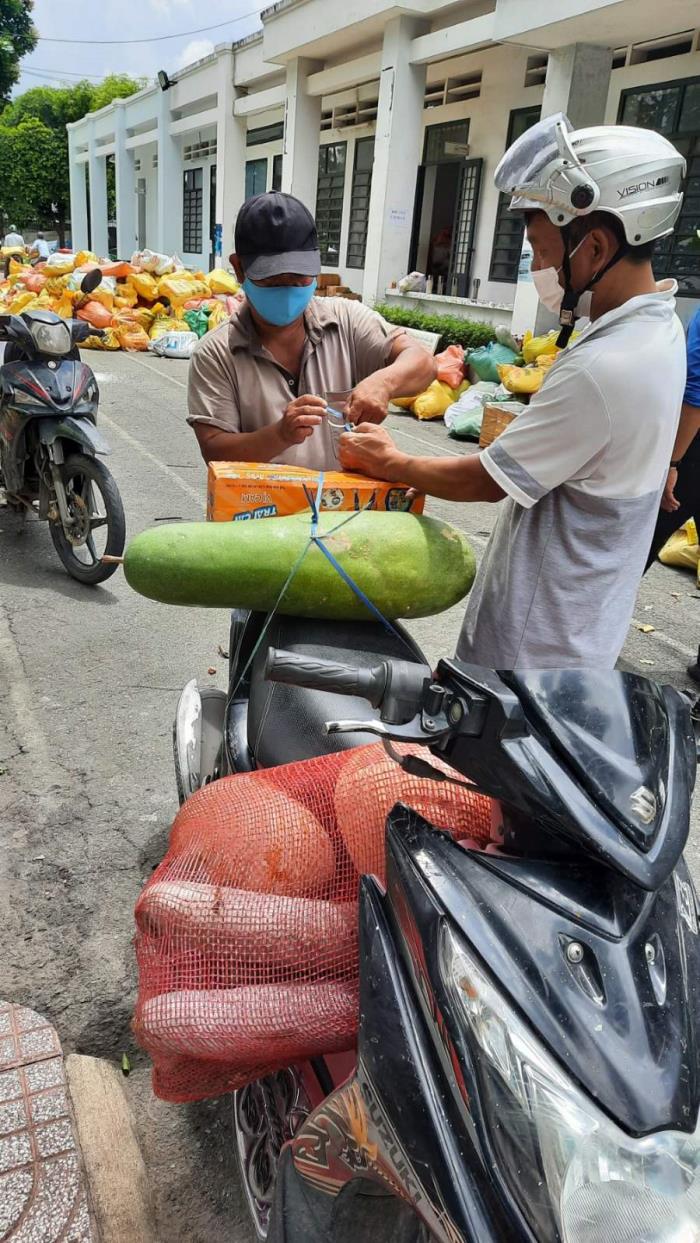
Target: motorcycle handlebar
pixel 327 675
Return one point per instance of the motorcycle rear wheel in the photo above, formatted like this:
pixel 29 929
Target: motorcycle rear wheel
pixel 82 477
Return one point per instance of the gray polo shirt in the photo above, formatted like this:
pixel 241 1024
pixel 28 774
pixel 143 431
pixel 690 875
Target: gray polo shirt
pixel 583 468
pixel 235 383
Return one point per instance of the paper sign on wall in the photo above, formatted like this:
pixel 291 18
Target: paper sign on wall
pixel 398 218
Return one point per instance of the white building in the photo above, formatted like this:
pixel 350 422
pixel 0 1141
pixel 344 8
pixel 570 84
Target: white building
pixel 388 120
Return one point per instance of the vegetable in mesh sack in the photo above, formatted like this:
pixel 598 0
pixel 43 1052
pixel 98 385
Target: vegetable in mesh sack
pixel 261 1022
pixel 258 927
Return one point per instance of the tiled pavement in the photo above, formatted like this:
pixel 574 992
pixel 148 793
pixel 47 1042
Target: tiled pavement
pixel 42 1193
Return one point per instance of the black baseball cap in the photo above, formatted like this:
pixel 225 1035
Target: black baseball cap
pixel 276 233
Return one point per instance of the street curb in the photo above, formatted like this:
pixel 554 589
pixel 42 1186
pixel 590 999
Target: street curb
pixel 43 1195
pixel 116 1175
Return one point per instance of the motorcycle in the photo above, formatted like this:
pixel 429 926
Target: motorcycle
pixel 528 1061
pixel 49 440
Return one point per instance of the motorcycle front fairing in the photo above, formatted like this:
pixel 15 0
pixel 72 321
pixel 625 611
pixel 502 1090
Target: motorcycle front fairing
pixel 40 388
pixel 619 1018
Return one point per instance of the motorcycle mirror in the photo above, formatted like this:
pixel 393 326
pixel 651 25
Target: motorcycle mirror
pixel 91 280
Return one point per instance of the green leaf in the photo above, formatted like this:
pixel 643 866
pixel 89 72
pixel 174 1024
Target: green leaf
pixel 126 1064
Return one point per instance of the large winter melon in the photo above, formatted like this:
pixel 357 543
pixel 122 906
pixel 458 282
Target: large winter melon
pixel 406 564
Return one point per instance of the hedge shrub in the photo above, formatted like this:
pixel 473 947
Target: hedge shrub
pixel 453 329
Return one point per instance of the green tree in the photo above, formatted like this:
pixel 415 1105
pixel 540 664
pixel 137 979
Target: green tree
pixel 51 108
pixel 17 37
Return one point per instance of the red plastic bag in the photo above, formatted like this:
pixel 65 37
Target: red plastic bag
pixel 96 314
pixel 450 366
pixel 247 941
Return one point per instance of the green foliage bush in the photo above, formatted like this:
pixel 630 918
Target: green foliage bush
pixel 453 330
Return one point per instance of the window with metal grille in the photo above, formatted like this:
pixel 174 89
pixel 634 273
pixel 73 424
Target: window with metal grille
pixel 359 202
pixel 463 236
pixel 448 141
pixel 673 108
pixel 277 172
pixel 192 211
pixel 255 177
pixel 508 234
pixel 329 200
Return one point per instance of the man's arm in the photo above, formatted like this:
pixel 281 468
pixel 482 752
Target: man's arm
pixel 295 426
pixel 371 450
pixel 410 370
pixel 688 428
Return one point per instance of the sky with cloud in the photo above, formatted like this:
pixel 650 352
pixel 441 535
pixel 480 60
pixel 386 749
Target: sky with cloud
pixel 103 22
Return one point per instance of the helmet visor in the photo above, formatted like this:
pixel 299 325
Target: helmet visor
pixel 517 172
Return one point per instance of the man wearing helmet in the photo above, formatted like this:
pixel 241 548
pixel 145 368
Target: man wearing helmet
pixel 583 467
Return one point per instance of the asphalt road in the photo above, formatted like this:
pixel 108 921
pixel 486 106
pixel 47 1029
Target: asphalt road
pixel 90 679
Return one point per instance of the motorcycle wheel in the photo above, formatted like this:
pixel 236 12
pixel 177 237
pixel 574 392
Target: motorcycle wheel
pixel 266 1114
pixel 83 478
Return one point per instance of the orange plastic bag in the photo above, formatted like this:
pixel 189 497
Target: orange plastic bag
pixel 35 282
pixel 450 366
pixel 131 336
pixel 118 270
pixel 96 314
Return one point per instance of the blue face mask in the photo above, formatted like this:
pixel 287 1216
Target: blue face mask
pixel 279 304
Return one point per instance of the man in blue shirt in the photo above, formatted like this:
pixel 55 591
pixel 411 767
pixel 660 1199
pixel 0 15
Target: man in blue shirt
pixel 681 498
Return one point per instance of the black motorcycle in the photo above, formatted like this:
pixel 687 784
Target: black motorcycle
pixel 49 439
pixel 528 1063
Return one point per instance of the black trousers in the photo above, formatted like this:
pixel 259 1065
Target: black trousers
pixel 688 493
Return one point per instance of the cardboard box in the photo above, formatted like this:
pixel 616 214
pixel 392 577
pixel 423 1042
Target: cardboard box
pixel 239 491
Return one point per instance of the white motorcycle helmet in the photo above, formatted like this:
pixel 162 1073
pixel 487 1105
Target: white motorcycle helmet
pixel 634 174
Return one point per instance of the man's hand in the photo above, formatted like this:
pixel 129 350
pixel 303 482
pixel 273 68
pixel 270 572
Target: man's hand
pixel 371 451
pixel 300 419
pixel 668 500
pixel 369 400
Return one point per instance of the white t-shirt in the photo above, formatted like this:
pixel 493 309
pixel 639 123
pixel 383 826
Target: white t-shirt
pixel 13 239
pixel 41 246
pixel 583 468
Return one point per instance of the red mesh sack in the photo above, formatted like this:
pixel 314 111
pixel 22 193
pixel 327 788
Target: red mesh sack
pixel 247 932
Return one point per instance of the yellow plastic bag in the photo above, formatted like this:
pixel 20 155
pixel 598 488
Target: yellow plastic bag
pixel 220 281
pixel 166 323
pixel 109 341
pixel 20 301
pixel 146 286
pixel 65 305
pixel 217 316
pixel 179 287
pixel 105 292
pixel 433 403
pixel 17 268
pixel 85 256
pixel 682 549
pixel 534 347
pixel 521 379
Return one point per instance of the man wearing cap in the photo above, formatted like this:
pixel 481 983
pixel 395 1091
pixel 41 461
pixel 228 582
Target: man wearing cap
pixel 257 384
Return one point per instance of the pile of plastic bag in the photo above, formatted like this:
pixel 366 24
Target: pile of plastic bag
pixel 443 392
pixel 137 303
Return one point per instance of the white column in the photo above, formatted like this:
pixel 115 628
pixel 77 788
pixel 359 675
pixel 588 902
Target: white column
pixel 397 154
pixel 230 158
pixel 302 131
pixel 99 239
pixel 169 207
pixel 578 77
pixel 125 186
pixel 78 197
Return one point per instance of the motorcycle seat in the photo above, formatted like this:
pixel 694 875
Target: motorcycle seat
pixel 286 723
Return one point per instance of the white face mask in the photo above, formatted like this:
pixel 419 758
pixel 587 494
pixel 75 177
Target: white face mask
pixel 551 293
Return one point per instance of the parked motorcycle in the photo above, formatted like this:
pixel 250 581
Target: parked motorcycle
pixel 528 1063
pixel 49 439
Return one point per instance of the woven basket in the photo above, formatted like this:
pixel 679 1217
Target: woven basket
pixel 496 419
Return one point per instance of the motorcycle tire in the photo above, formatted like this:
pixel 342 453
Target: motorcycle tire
pixel 80 464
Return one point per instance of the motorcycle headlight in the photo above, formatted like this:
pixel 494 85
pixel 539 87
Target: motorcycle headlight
pixel 575 1174
pixel 51 339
